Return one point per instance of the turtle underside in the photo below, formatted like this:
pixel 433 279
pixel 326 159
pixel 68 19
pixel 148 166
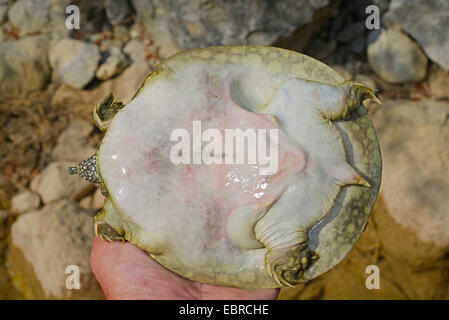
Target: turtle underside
pixel 178 187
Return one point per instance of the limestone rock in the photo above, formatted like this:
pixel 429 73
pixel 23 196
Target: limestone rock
pixel 25 201
pixel 113 65
pixel 29 16
pixel 4 217
pixel 427 22
pixel 117 11
pixel 98 200
pixel 351 32
pixel 3 13
pixel 74 61
pixel 73 143
pixel 414 142
pixel 93 15
pixel 395 57
pixel 439 83
pixel 45 243
pixel 135 49
pixel 221 22
pixel 54 183
pixel 24 66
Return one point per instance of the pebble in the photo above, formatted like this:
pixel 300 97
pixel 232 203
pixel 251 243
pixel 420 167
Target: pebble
pixel 29 16
pixel 24 66
pixel 54 183
pixel 75 61
pixel 395 57
pixel 25 201
pixel 49 245
pixel 117 11
pixel 115 63
pixel 73 143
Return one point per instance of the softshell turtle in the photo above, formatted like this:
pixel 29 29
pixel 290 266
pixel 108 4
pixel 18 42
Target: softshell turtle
pixel 214 220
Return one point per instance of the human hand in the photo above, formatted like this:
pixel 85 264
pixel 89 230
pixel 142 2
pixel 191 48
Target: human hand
pixel 126 272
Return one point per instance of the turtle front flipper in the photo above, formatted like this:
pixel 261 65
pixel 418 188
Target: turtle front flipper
pixel 105 111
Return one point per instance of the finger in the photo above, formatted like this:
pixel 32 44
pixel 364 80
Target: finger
pixel 126 272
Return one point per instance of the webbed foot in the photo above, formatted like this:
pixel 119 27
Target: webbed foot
pixel 105 111
pixel 287 266
pixel 104 230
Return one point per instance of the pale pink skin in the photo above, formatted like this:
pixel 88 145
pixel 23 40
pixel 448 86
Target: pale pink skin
pixel 204 221
pixel 138 277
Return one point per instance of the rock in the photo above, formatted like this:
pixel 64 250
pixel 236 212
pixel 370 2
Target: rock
pixel 113 65
pixel 98 200
pixel 200 24
pixel 25 201
pixel 123 87
pixel 93 202
pixel 351 32
pixel 382 5
pixel 320 48
pixel 135 49
pixel 73 143
pixel 122 33
pixel 427 22
pixel 45 243
pixel 130 80
pixel 75 61
pixel 48 16
pixel 85 202
pixel 59 5
pixel 135 31
pixel 111 44
pixel 398 279
pixel 57 27
pixel 117 11
pixel 24 66
pixel 415 182
pixel 54 183
pixel 358 45
pixel 395 57
pixel 439 83
pixel 93 15
pixel 3 13
pixel 4 222
pixel 29 16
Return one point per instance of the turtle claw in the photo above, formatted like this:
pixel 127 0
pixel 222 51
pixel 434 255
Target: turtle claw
pixel 359 92
pixel 287 267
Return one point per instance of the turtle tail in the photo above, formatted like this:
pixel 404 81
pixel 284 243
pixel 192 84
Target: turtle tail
pixel 87 170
